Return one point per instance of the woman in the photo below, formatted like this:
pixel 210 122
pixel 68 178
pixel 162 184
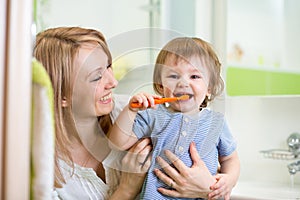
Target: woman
pixel 79 65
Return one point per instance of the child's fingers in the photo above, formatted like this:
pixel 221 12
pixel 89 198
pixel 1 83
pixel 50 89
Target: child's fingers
pixel 145 100
pixel 142 101
pixel 150 100
pixel 136 99
pixel 217 184
pixel 227 197
pixel 139 99
pixel 216 194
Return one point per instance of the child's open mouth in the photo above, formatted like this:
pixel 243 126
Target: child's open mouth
pixel 181 94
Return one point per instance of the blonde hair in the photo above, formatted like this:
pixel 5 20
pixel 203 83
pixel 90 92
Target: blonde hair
pixel 184 48
pixel 56 49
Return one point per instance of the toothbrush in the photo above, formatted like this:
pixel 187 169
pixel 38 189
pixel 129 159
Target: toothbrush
pixel 162 100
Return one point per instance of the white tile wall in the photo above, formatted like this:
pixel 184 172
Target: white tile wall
pixel 262 123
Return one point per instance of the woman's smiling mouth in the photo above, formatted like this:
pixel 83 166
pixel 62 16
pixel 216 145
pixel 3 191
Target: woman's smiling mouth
pixel 106 99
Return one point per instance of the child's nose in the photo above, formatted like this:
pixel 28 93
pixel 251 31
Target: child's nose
pixel 182 82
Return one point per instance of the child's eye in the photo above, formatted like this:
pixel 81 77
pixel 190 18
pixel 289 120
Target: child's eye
pixel 174 76
pixel 195 77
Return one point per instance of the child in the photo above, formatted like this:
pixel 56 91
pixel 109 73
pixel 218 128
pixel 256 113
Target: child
pixel 185 66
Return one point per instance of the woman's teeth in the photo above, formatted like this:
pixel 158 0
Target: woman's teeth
pixel 105 97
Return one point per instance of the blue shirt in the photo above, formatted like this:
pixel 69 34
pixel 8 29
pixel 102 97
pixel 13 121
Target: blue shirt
pixel 175 132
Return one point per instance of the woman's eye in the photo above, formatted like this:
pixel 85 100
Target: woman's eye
pixel 96 78
pixel 99 73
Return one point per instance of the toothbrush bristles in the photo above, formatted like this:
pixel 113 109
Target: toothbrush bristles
pixel 184 97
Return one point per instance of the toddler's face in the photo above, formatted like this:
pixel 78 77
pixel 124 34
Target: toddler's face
pixel 181 77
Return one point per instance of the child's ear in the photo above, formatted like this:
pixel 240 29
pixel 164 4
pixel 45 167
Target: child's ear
pixel 64 102
pixel 160 88
pixel 208 94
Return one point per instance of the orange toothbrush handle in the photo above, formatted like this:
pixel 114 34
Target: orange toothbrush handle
pixel 139 105
pixel 135 105
pixel 156 101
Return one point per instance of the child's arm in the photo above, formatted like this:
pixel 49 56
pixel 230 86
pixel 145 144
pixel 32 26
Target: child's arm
pixel 228 176
pixel 121 135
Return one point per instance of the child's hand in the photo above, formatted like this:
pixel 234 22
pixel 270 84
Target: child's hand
pixel 222 188
pixel 144 99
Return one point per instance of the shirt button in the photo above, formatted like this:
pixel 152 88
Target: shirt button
pixel 183 133
pixel 186 120
pixel 180 148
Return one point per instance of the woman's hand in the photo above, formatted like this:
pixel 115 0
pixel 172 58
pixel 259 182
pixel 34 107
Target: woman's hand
pixel 193 182
pixel 135 164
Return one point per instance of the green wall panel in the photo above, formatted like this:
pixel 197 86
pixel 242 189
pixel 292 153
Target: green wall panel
pixel 247 81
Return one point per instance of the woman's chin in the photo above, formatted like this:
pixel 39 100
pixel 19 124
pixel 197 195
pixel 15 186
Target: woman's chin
pixel 104 109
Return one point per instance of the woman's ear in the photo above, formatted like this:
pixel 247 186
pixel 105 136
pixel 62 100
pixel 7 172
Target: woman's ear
pixel 64 102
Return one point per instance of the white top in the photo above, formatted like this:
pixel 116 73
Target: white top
pixel 84 182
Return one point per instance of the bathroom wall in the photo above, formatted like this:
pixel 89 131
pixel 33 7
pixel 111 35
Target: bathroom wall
pixel 262 123
pixel 265 31
pixel 116 16
pixel 110 17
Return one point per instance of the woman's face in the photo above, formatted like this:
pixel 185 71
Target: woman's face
pixel 93 84
pixel 185 78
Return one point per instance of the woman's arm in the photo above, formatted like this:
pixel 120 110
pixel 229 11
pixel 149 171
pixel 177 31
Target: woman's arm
pixel 134 167
pixel 188 182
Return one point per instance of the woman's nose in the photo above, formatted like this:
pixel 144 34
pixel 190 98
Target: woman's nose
pixel 110 81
